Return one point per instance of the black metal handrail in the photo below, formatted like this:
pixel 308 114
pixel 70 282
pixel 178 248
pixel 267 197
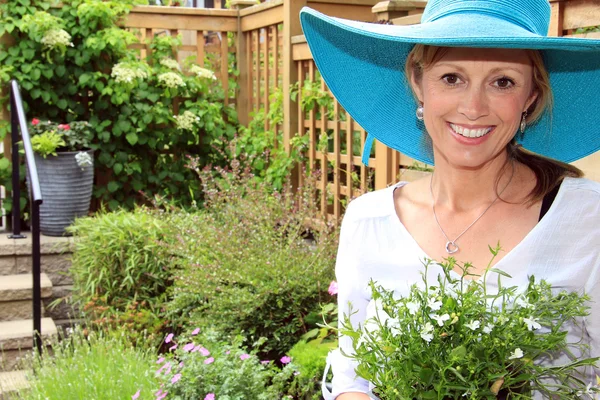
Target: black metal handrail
pixel 18 120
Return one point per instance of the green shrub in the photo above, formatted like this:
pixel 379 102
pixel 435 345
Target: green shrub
pixel 93 367
pixel 310 360
pixel 248 266
pixel 74 62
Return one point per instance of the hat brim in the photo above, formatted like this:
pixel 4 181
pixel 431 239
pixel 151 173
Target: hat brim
pixel 363 66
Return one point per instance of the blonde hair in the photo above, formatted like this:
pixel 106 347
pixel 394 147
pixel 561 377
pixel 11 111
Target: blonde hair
pixel 548 172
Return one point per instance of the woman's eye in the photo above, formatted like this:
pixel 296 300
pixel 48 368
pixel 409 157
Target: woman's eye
pixel 504 83
pixel 451 79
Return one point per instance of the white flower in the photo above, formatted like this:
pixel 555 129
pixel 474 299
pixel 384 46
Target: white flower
pixel 518 353
pixel 56 38
pixel 127 72
pixel 434 304
pixel 171 79
pixel 84 159
pixel 441 318
pixel 394 325
pixel 523 303
pixel 473 325
pixel 170 63
pixel 426 332
pixel 488 328
pixel 202 72
pixel 412 307
pixel 532 324
pixel 589 391
pixel 186 121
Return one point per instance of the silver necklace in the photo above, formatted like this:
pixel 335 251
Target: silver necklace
pixel 451 246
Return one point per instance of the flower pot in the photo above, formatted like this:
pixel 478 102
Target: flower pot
pixel 66 191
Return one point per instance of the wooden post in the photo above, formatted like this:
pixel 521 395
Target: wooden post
pixel 383 166
pixel 242 97
pixel 387 10
pixel 556 18
pixel 291 27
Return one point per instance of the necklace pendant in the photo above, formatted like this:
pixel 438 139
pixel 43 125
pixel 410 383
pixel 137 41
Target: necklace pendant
pixel 451 247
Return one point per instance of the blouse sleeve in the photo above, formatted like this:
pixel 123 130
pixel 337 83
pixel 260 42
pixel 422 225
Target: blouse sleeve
pixel 350 293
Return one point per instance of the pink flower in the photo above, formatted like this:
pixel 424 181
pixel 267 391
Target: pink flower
pixel 160 394
pixel 204 351
pixel 188 347
pixel 195 331
pixel 209 360
pixel 195 349
pixel 173 347
pixel 66 127
pixel 333 288
pixel 169 338
pixel 285 360
pixel 160 360
pixel 175 378
pixel 210 396
pixel 244 357
pixel 35 121
pixel 136 395
pixel 227 352
pixel 181 365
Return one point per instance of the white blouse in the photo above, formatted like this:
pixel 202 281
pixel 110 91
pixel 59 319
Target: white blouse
pixel 563 248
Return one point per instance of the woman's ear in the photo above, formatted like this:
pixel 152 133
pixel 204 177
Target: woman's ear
pixel 532 98
pixel 415 84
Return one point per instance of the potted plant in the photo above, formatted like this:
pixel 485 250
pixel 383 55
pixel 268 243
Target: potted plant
pixel 65 165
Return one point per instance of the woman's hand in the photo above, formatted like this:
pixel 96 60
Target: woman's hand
pixel 353 396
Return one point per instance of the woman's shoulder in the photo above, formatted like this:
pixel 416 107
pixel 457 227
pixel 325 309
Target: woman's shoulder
pixel 376 204
pixel 578 198
pixel 584 186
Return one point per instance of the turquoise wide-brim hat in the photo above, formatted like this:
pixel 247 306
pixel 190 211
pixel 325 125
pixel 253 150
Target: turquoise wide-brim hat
pixel 363 66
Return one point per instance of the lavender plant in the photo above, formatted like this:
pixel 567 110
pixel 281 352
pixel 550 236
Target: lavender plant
pixel 454 339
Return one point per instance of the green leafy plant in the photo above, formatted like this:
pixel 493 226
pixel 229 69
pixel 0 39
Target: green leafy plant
pixel 454 338
pixel 74 62
pixel 46 143
pixel 310 359
pixel 246 266
pixel 89 366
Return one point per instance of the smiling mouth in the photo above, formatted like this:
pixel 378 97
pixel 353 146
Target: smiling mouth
pixel 471 133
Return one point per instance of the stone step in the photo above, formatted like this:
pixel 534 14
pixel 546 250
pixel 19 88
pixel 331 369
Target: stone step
pixel 16 339
pixel 16 294
pixel 11 382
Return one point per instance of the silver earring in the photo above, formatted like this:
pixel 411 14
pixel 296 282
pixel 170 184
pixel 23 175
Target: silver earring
pixel 523 122
pixel 420 112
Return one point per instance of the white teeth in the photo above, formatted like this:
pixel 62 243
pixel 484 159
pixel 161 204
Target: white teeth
pixel 472 133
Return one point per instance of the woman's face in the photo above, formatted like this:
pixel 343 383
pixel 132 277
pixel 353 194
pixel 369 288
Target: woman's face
pixel 473 100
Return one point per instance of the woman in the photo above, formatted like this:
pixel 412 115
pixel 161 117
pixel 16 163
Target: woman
pixel 478 90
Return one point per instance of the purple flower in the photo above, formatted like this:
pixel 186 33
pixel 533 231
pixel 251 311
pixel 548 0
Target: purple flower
pixel 173 347
pixel 209 360
pixel 227 352
pixel 160 360
pixel 169 338
pixel 333 288
pixel 181 365
pixel 175 378
pixel 136 395
pixel 210 396
pixel 188 347
pixel 285 360
pixel 204 352
pixel 195 331
pixel 244 357
pixel 160 394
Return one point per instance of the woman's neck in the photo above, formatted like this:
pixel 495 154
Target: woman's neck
pixel 460 189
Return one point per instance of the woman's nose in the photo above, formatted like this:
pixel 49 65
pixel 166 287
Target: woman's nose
pixel 474 103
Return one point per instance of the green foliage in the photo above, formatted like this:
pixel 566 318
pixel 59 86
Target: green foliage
pixel 310 359
pixel 210 365
pixel 74 63
pixel 118 259
pixel 246 267
pixel 46 143
pixel 91 366
pixel 453 336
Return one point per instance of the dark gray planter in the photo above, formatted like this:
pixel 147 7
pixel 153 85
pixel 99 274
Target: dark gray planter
pixel 66 191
